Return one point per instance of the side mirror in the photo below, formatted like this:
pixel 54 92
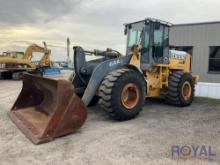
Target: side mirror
pixel 125 30
pixel 157 25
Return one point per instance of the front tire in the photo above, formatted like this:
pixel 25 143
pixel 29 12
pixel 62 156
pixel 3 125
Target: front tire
pixel 122 94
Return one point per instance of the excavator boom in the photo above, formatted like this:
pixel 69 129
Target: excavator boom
pixel 45 59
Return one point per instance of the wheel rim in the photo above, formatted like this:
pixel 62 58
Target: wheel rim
pixel 186 90
pixel 130 96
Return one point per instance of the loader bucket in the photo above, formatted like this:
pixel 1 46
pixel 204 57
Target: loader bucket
pixel 46 109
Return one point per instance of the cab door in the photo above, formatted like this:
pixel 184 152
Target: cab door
pixel 160 43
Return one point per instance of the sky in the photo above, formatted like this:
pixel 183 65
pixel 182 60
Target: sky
pixel 92 24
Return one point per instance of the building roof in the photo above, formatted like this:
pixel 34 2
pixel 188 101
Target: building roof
pixel 197 23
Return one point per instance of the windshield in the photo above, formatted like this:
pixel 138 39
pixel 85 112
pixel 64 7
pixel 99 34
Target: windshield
pixel 138 34
pixel 134 37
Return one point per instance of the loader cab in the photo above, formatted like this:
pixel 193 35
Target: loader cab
pixel 153 36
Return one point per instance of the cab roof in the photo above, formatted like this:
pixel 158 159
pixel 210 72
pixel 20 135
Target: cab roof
pixel 148 19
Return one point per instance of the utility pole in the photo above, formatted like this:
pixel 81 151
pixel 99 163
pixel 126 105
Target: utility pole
pixel 68 48
pixel 69 61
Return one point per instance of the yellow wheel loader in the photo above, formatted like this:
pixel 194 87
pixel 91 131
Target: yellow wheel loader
pixel 16 63
pixel 46 109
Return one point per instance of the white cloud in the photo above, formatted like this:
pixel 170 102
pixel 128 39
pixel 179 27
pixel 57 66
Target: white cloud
pixel 93 23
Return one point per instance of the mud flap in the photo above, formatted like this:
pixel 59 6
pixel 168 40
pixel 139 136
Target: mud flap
pixel 46 109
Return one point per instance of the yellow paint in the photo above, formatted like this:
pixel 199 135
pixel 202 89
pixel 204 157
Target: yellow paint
pixel 157 78
pixel 184 65
pixel 153 83
pixel 135 59
pixel 195 78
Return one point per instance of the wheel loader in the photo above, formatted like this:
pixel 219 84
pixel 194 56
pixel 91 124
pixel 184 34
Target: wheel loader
pixel 46 108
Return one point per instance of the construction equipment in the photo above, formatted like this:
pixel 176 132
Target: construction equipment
pixel 119 83
pixel 47 108
pixel 16 63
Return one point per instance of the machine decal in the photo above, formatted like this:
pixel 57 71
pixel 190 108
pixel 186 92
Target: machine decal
pixel 115 62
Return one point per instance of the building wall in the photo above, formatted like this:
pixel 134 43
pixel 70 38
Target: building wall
pixel 211 90
pixel 200 36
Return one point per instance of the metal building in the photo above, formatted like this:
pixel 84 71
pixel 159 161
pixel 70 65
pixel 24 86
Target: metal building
pixel 202 40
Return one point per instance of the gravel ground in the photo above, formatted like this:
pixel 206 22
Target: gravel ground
pixel 146 139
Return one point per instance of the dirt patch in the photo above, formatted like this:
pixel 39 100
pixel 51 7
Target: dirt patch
pixel 146 139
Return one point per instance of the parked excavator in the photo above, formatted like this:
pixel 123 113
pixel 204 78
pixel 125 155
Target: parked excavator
pixel 46 108
pixel 14 64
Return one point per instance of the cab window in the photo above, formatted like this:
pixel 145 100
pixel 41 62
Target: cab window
pixel 158 36
pixel 134 35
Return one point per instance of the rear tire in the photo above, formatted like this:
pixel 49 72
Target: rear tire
pixel 122 94
pixel 180 89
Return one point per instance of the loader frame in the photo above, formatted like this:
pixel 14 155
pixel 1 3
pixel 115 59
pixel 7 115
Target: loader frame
pixel 98 74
